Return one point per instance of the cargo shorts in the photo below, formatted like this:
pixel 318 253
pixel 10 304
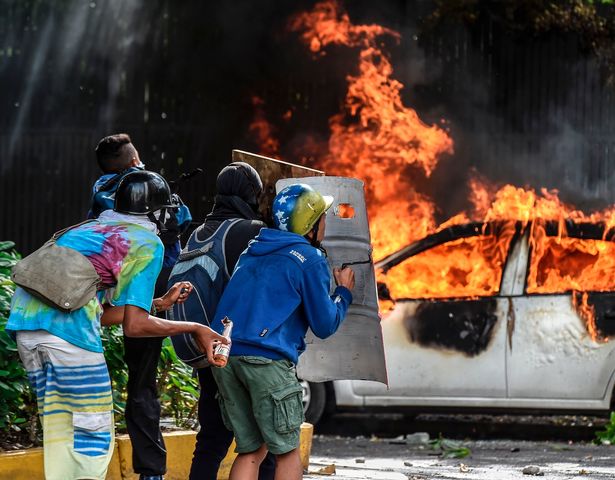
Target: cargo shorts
pixel 261 402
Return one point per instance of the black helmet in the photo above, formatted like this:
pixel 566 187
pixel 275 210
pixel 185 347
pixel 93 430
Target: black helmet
pixel 142 192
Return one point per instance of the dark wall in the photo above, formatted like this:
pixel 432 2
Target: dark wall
pixel 177 76
pixel 180 77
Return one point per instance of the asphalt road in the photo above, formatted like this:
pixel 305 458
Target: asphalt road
pixel 475 426
pixel 410 455
pixel 375 458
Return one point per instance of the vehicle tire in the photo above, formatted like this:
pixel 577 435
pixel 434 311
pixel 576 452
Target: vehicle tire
pixel 314 401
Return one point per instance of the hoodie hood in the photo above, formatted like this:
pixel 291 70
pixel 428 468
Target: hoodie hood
pixel 270 240
pixel 238 188
pixel 240 180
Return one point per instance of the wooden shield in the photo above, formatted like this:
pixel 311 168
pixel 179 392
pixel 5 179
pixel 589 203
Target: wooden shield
pixel 270 171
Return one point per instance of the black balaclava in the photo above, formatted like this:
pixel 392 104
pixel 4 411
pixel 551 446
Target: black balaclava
pixel 238 189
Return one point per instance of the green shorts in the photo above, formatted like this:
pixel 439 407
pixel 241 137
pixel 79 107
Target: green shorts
pixel 261 402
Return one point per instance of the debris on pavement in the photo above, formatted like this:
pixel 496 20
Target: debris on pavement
pixel 417 438
pixel 491 460
pixel 450 448
pixel 532 470
pixel 326 470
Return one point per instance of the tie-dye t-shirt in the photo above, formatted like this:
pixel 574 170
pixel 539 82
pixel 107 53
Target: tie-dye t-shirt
pixel 127 256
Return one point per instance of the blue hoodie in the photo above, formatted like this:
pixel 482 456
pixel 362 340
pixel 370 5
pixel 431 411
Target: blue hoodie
pixel 279 288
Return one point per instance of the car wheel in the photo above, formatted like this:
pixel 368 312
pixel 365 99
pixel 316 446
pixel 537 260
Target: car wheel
pixel 314 401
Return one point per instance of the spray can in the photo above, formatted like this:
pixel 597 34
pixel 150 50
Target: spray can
pixel 222 352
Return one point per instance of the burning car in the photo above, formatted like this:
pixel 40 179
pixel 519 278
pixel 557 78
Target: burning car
pixel 501 314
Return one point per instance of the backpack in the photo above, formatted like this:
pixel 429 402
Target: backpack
pixel 202 263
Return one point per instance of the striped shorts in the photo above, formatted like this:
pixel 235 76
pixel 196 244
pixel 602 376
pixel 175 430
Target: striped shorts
pixel 75 404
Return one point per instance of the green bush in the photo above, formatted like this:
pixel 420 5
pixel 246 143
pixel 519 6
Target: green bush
pixel 607 436
pixel 113 343
pixel 177 388
pixel 18 404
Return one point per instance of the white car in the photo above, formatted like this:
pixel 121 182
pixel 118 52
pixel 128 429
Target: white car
pixel 524 340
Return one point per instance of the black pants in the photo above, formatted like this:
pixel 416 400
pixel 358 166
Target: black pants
pixel 149 455
pixel 213 439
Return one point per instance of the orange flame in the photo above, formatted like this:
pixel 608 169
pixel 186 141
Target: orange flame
pixel 262 131
pixel 326 24
pixel 467 267
pixel 345 210
pixel 378 139
pixel 588 314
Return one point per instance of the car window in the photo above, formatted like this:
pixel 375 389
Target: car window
pixel 561 264
pixel 466 267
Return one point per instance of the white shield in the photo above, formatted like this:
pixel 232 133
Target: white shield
pixel 355 351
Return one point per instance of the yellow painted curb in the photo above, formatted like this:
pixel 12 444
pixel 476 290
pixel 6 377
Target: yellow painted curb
pixel 22 464
pixel 28 464
pixel 180 447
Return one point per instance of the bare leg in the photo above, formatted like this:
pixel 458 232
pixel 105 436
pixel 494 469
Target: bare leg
pixel 245 466
pixel 288 466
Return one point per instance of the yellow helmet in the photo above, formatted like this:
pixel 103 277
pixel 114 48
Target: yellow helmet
pixel 298 207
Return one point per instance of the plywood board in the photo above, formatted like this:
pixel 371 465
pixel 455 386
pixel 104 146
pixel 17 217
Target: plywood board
pixel 270 171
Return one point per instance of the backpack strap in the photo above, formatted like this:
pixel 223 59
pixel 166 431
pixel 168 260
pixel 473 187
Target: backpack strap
pixel 197 252
pixel 208 243
pixel 224 234
pixel 59 233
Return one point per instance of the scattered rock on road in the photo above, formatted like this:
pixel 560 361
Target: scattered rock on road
pixel 532 470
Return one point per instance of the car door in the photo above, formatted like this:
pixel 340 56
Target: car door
pixel 552 354
pixel 446 350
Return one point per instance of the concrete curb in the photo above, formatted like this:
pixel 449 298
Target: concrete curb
pixel 28 464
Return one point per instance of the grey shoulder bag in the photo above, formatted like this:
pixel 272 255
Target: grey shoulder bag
pixel 59 276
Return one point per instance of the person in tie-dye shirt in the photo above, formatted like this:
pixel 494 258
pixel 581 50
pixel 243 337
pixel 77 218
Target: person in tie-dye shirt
pixel 63 351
